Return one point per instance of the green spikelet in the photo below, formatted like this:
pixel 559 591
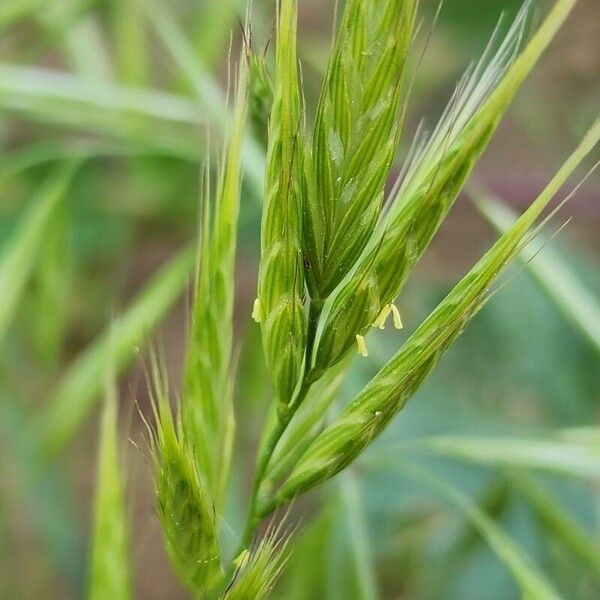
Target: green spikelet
pixel 368 415
pixel 207 412
pixel 258 570
pixel 437 173
pixel 110 575
pixel 356 136
pixel 281 280
pixel 184 507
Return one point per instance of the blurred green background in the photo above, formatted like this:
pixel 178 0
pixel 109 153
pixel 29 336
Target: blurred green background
pixel 125 92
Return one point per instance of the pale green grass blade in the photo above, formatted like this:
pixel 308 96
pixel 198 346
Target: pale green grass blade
pixel 357 527
pixel 557 521
pixel 546 453
pixel 110 575
pixel 207 90
pixel 206 404
pixel 13 10
pixel 533 583
pixel 71 402
pixel 158 119
pixel 389 391
pixel 129 41
pixel 551 272
pixel 51 288
pixel 21 252
pixel 215 23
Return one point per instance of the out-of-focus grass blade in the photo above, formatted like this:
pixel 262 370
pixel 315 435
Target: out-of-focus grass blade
pixel 157 119
pixel 18 259
pixel 551 272
pixel 129 41
pixel 45 494
pixel 548 454
pixel 533 583
pixel 74 397
pixel 216 21
pixel 355 522
pixel 13 10
pixel 205 87
pixel 110 575
pixel 557 521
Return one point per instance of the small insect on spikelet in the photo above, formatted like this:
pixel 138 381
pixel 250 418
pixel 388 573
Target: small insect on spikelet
pixel 437 172
pixel 184 508
pixel 368 415
pixel 206 403
pixel 258 569
pixel 356 136
pixel 110 575
pixel 281 276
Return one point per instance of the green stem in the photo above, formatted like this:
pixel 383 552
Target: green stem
pixel 274 430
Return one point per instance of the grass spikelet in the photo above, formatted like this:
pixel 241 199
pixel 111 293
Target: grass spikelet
pixel 207 412
pixel 368 415
pixel 259 569
pixel 260 100
pixel 356 136
pixel 184 508
pixel 437 173
pixel 110 575
pixel 281 277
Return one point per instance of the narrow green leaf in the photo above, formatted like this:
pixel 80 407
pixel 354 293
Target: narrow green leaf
pixel 110 575
pixel 357 526
pixel 205 87
pixel 533 583
pixel 281 277
pixel 71 402
pixel 156 119
pixel 20 254
pixel 389 391
pixel 557 521
pixel 552 274
pixel 546 453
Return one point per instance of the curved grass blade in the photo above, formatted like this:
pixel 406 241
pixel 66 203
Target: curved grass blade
pixel 533 583
pixel 557 521
pixel 551 273
pixel 207 409
pixel 76 394
pixel 389 391
pixel 19 257
pixel 110 575
pixel 432 184
pixel 156 119
pixel 280 307
pixel 205 87
pixel 551 453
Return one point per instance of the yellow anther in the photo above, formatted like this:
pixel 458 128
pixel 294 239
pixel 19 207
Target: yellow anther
pixel 242 559
pixel 397 319
pixel 362 347
pixel 382 318
pixel 256 311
